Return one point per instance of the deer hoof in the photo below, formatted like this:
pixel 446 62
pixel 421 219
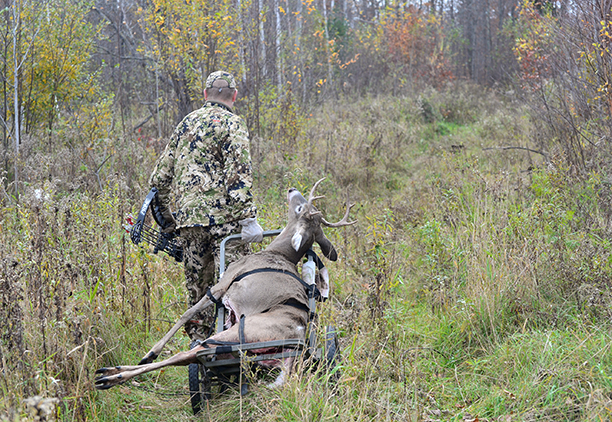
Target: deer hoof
pixel 104 383
pixel 102 370
pixel 101 384
pixel 149 358
pixel 108 371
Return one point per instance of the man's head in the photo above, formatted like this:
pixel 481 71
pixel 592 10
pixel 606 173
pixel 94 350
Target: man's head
pixel 221 87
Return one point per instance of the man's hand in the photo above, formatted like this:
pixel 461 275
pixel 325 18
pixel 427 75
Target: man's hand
pixel 251 230
pixel 169 221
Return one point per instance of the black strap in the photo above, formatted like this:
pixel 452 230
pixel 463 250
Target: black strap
pixel 209 341
pixel 296 304
pixel 216 301
pixel 301 307
pixel 241 330
pixel 222 346
pixel 311 289
pixel 315 258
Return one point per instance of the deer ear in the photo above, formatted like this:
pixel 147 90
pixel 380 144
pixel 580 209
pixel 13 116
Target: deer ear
pixel 326 247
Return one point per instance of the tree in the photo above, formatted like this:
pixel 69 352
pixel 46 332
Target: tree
pixel 190 39
pixel 415 40
pixel 566 60
pixel 483 47
pixel 47 51
pixel 58 73
pixel 21 23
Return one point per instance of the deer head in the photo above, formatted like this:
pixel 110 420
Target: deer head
pixel 303 227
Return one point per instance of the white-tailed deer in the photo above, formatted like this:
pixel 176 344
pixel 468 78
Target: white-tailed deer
pixel 273 305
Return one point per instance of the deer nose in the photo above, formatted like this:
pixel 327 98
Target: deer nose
pixel 290 193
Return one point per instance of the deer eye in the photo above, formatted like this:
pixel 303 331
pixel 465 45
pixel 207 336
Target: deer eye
pixel 299 209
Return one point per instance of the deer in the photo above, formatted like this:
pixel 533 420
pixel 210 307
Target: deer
pixel 268 302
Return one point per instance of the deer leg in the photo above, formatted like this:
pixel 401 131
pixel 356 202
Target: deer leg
pixel 217 291
pixel 152 354
pixel 110 377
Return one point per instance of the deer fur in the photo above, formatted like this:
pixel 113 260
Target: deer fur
pixel 259 297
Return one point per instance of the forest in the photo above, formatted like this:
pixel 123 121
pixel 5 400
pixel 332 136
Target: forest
pixel 474 137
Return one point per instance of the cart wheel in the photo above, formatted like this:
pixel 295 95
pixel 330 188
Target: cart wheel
pixel 199 387
pixel 332 352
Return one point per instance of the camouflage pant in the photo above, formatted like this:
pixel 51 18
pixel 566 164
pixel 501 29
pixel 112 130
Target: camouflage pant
pixel 201 250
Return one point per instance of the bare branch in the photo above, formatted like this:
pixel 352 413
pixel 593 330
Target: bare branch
pixel 520 148
pixel 153 113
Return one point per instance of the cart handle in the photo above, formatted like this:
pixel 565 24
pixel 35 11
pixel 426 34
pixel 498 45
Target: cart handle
pixel 237 237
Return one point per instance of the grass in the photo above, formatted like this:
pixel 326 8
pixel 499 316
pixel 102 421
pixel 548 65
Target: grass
pixel 473 287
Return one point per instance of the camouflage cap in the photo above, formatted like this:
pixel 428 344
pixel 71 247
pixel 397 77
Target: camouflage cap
pixel 220 74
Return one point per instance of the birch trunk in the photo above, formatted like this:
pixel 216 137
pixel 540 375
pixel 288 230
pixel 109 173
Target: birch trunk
pixel 279 78
pixel 262 37
pixel 16 117
pixel 327 49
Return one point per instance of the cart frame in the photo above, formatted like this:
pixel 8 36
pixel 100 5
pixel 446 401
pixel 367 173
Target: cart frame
pixel 227 372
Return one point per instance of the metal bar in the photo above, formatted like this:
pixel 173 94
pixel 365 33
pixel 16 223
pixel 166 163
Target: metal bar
pixel 237 237
pixel 220 318
pixel 222 251
pixel 250 346
pixel 311 330
pixel 251 359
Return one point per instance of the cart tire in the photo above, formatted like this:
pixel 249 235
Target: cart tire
pixel 199 387
pixel 332 352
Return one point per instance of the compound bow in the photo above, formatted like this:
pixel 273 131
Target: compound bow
pixel 140 231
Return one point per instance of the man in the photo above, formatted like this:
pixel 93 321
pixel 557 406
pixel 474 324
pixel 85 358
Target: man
pixel 209 162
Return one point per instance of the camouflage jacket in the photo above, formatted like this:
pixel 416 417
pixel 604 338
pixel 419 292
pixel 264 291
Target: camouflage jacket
pixel 209 161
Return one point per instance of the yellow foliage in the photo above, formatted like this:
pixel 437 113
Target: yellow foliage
pixel 58 45
pixel 532 48
pixel 192 39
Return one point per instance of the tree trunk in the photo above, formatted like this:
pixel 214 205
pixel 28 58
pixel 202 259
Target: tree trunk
pixel 262 36
pixel 5 134
pixel 327 51
pixel 185 104
pixel 277 39
pixel 16 116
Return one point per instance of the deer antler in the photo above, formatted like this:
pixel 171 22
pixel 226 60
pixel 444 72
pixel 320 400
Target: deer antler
pixel 312 198
pixel 342 222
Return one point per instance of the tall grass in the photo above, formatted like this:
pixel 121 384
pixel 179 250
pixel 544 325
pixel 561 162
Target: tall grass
pixel 475 284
